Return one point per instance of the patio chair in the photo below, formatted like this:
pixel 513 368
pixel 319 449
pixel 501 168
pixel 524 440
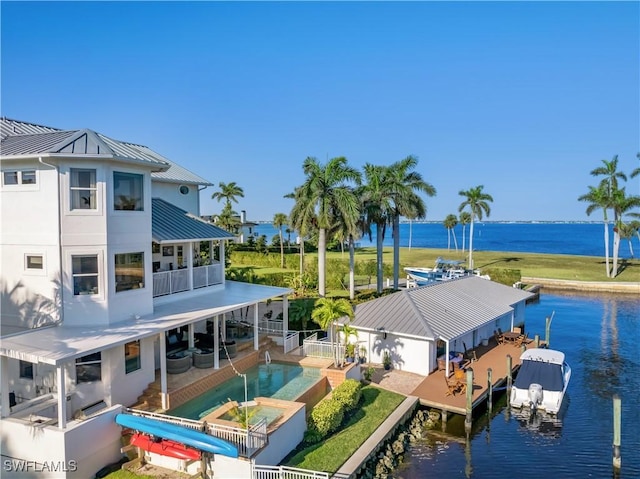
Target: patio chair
pixel 499 338
pixel 469 355
pixel 452 386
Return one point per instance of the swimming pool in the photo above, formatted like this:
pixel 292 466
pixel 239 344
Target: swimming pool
pixel 276 380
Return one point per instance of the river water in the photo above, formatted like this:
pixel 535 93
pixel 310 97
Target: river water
pixel 600 336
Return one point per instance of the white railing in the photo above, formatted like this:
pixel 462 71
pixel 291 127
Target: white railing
pixel 271 326
pixel 247 441
pixel 321 349
pixel 292 341
pixel 207 275
pixel 284 472
pixel 170 282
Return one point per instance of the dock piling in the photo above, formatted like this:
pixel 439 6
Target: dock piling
pixel 617 420
pixel 469 406
pixel 509 379
pixel 489 391
pixel 536 340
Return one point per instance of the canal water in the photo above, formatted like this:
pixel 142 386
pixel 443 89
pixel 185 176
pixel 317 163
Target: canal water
pixel 600 336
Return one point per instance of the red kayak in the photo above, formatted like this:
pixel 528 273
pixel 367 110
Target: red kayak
pixel 164 447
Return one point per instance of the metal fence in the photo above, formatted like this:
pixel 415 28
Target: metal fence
pixel 284 472
pixel 321 348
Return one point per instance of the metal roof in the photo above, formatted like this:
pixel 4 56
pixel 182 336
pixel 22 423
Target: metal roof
pixel 170 223
pixel 23 139
pixel 59 344
pixel 446 309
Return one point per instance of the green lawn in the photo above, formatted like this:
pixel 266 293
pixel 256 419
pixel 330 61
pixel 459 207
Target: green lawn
pixel 375 406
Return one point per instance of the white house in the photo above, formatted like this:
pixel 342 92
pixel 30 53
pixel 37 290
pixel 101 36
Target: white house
pixel 417 324
pixel 102 252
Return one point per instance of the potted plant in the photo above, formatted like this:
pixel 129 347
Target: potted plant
pixel 386 360
pixel 368 374
pixel 363 355
pixel 350 352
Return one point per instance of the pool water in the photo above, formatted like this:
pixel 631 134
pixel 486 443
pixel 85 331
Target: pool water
pixel 257 413
pixel 276 380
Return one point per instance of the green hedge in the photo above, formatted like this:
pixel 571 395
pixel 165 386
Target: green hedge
pixel 504 276
pixel 348 394
pixel 327 416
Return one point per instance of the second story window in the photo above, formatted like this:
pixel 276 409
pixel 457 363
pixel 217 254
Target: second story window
pixel 128 191
pixel 83 189
pixel 34 261
pixel 129 271
pixel 85 274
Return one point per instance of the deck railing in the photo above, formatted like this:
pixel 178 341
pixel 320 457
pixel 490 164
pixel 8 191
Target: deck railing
pixel 321 348
pixel 292 341
pixel 270 326
pixel 170 282
pixel 247 441
pixel 284 472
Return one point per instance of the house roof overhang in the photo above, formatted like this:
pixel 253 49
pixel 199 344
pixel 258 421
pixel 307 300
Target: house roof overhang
pixel 60 344
pixel 170 224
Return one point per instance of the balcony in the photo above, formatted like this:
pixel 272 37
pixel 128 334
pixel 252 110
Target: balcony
pixel 178 281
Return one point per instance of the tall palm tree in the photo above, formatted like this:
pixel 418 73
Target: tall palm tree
pixel 377 209
pixel 599 198
pixel 303 218
pixel 229 192
pixel 405 184
pixel 478 203
pixel 344 229
pixel 326 312
pixel 465 219
pixel 450 222
pixel 327 192
pixel 628 231
pixel 611 176
pixel 280 220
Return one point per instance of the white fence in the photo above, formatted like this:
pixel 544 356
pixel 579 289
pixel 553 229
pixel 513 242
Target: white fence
pixel 321 348
pixel 170 282
pixel 284 472
pixel 271 326
pixel 247 441
pixel 292 341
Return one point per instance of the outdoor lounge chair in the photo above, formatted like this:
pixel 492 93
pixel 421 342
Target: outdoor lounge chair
pixel 499 338
pixel 469 355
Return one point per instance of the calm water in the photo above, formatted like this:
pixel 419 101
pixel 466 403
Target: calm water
pixel 585 239
pixel 278 380
pixel 600 337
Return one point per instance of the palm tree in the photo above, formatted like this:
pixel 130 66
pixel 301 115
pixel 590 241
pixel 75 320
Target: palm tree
pixel 628 231
pixel 228 192
pixel 450 222
pixel 326 313
pixel 478 203
pixel 280 220
pixel 377 209
pixel 465 219
pixel 599 198
pixel 326 193
pixel 404 185
pixel 621 204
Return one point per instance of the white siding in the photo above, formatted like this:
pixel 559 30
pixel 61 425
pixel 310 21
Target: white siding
pixel 171 192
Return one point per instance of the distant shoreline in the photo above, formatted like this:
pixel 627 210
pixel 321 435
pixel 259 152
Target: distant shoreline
pixel 584 286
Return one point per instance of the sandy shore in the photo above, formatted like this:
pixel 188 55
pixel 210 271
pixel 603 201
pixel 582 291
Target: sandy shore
pixel 592 286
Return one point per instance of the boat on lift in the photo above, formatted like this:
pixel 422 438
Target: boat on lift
pixel 444 269
pixel 541 382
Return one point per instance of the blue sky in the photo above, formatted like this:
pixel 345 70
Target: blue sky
pixel 523 98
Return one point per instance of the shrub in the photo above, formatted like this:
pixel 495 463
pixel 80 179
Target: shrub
pixel 504 276
pixel 348 394
pixel 326 416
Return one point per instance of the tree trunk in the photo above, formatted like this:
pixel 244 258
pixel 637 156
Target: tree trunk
pixel 471 243
pixel 455 240
pixel 352 267
pixel 281 250
pixel 396 251
pixel 616 249
pixel 322 256
pixel 464 233
pixel 606 245
pixel 380 270
pixel 448 239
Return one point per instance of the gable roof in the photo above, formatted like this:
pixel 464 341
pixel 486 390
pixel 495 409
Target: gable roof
pixel 446 309
pixel 170 223
pixel 20 138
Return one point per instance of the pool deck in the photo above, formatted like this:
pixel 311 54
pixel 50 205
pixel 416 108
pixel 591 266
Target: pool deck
pixel 190 384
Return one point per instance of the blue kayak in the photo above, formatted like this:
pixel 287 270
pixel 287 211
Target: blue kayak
pixel 184 435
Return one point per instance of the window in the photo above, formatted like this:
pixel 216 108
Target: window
pixel 127 191
pixel 26 370
pixel 132 356
pixel 184 190
pixel 34 262
pixel 89 368
pixel 85 274
pixel 20 177
pixel 83 189
pixel 129 271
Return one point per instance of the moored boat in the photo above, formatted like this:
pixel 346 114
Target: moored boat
pixel 542 381
pixel 443 270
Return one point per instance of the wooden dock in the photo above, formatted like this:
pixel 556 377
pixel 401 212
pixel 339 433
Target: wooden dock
pixel 432 391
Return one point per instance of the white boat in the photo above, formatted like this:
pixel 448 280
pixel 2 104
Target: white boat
pixel 443 270
pixel 541 381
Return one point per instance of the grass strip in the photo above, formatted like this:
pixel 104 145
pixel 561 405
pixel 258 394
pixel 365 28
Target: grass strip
pixel 375 406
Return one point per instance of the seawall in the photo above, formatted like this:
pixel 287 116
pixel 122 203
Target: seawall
pixel 589 286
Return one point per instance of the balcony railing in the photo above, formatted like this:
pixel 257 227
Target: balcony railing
pixel 171 282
